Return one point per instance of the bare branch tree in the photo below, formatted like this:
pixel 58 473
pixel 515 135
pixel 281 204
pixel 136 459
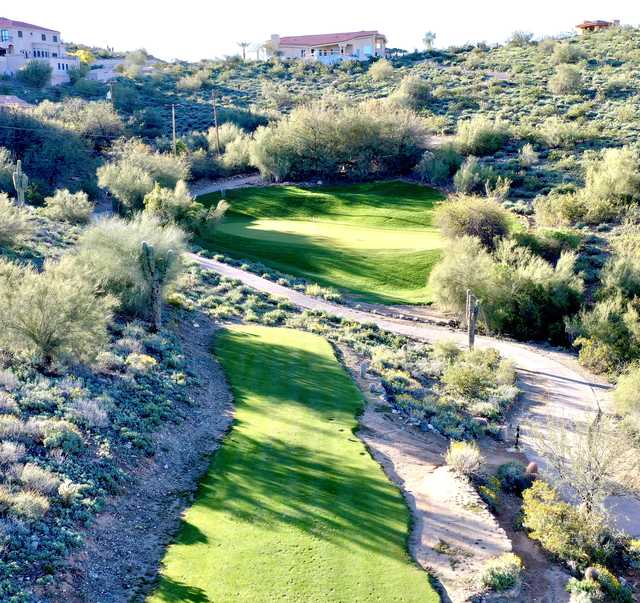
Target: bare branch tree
pixel 593 465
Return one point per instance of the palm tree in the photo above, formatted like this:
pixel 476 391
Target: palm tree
pixel 428 39
pixel 244 46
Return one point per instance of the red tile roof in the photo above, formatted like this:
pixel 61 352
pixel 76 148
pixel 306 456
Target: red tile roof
pixel 598 23
pixel 323 39
pixel 4 22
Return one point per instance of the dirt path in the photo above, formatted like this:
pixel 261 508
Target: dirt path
pixel 202 187
pixel 554 387
pixel 453 534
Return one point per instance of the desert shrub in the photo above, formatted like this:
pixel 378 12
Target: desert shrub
pixel 90 413
pixel 601 585
pixel 11 452
pixel 96 121
pixel 502 573
pixel 53 314
pixel 53 155
pixel 513 477
pixel 566 80
pixel 528 156
pixel 69 491
pixel 467 215
pixel 467 379
pixel 413 93
pixel 195 81
pixel 348 142
pixel 464 458
pixel 473 177
pixel 127 183
pixel 175 206
pixel 109 255
pixel 237 154
pixel 60 434
pixel 481 135
pixel 560 209
pixel 521 293
pixel 438 165
pixel 567 532
pixel 566 53
pixel 134 169
pixel 557 133
pixel 521 38
pixel 607 335
pixel 446 350
pixel 549 243
pixel 38 479
pixel 381 70
pixel 7 167
pixel 36 74
pixel 15 224
pixel 29 506
pixel 227 133
pixel 627 392
pixel 466 264
pixel 614 174
pixel 70 207
pixel 547 45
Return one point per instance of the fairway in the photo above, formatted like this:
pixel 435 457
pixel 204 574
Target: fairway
pixel 293 507
pixel 375 241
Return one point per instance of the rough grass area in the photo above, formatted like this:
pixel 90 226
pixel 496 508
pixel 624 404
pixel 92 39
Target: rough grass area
pixel 376 241
pixel 293 507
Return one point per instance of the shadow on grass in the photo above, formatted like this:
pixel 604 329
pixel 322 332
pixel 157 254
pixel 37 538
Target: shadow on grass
pixel 364 273
pixel 174 591
pixel 320 480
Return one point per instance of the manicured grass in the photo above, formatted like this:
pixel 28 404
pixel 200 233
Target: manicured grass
pixel 293 507
pixel 376 240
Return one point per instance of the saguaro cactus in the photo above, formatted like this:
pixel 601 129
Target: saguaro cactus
pixel 155 271
pixel 20 182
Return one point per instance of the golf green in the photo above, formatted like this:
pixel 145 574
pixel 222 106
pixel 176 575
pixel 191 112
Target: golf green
pixel 293 507
pixel 375 241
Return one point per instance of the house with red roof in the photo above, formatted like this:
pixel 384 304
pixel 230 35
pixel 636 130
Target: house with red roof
pixel 588 26
pixel 329 48
pixel 22 42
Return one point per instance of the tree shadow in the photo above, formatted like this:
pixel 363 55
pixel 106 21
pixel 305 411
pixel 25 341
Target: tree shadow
pixel 365 272
pixel 174 591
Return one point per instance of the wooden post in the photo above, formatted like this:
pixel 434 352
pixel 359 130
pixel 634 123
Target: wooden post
pixel 473 308
pixel 215 121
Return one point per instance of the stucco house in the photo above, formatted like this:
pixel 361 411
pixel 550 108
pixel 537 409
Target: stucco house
pixel 587 26
pixel 22 42
pixel 330 48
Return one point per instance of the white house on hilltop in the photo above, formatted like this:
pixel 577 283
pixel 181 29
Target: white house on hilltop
pixel 23 42
pixel 330 48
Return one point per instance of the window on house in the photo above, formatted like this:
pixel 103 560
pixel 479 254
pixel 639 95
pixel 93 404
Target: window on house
pixel 54 55
pixel 4 35
pixel 44 37
pixel 55 38
pixel 19 34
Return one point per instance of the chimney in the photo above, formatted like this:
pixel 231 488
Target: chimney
pixel 275 41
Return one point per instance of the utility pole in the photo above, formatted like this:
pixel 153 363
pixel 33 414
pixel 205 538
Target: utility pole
pixel 215 121
pixel 473 308
pixel 173 126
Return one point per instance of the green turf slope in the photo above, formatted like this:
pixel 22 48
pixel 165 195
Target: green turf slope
pixel 293 507
pixel 374 240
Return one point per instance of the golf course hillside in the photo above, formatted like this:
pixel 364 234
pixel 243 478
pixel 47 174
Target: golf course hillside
pixel 293 506
pixel 374 241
